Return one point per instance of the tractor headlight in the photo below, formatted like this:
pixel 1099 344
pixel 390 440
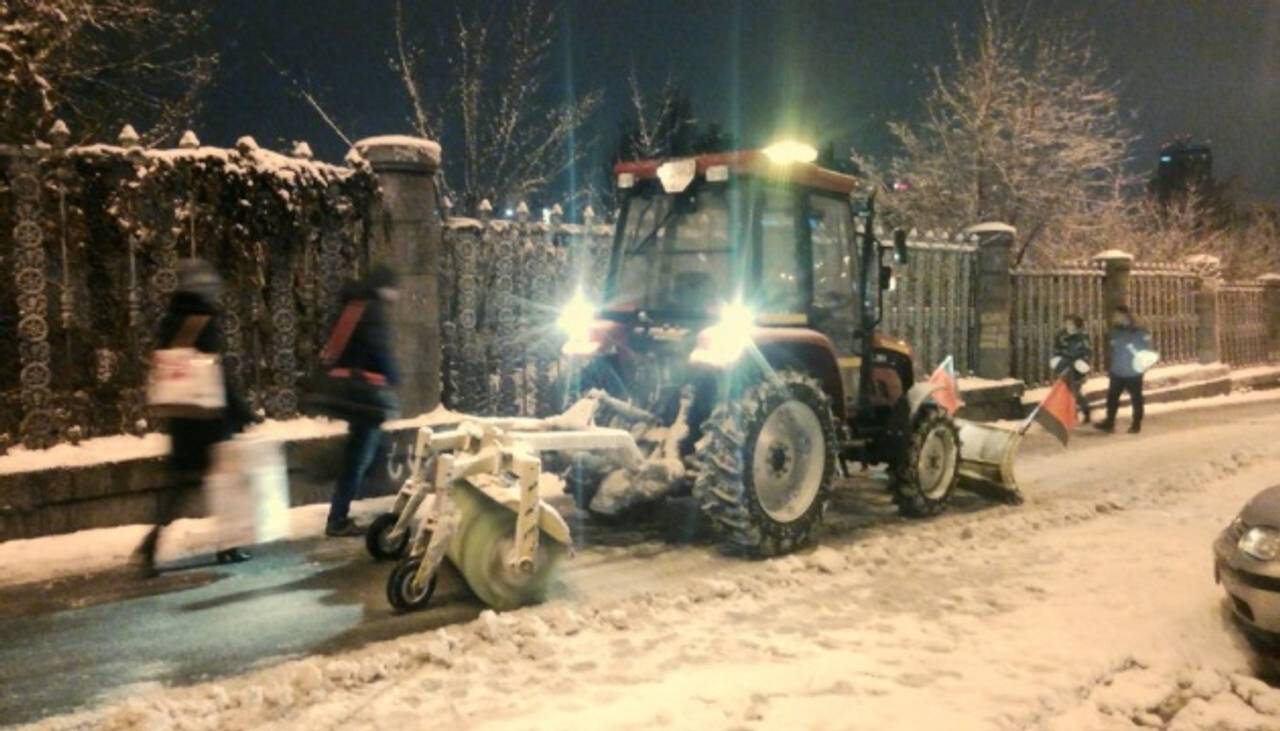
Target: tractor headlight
pixel 723 343
pixel 1260 543
pixel 576 320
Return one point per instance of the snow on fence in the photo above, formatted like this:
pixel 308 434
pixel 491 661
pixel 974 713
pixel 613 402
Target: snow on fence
pixel 89 242
pixel 1243 323
pixel 1042 300
pixel 932 304
pixel 1163 299
pixel 502 284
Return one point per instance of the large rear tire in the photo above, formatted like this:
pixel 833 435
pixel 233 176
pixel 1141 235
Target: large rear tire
pixel 766 462
pixel 925 474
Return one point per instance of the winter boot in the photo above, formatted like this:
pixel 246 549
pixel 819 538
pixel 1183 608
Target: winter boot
pixel 1105 426
pixel 143 559
pixel 345 529
pixel 1135 427
pixel 233 555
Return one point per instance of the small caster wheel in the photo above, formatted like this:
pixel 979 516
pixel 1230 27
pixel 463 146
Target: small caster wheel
pixel 380 546
pixel 400 590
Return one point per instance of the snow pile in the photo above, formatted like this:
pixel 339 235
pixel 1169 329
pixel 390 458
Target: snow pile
pixel 122 448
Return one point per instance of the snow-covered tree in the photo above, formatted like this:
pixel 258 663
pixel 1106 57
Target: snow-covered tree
pixel 508 137
pixel 1025 128
pixel 99 64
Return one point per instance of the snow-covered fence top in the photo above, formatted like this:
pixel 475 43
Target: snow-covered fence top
pixel 89 241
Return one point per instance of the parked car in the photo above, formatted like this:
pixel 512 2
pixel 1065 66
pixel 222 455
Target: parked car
pixel 1247 563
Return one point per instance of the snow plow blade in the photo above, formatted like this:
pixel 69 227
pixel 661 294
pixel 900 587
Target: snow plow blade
pixel 987 454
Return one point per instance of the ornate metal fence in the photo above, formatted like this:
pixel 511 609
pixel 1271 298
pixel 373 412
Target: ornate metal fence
pixel 1163 298
pixel 932 304
pixel 501 286
pixel 1042 300
pixel 89 242
pixel 1243 323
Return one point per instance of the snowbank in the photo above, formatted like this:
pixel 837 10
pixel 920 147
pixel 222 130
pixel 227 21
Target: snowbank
pixel 122 448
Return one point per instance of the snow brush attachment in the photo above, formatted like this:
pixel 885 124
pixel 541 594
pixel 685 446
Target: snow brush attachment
pixel 987 455
pixel 477 487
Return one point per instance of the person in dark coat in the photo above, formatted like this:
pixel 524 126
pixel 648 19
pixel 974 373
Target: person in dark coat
pixel 1127 340
pixel 192 440
pixel 1071 357
pixel 369 354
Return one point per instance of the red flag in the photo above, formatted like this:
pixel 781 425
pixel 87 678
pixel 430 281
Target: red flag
pixel 949 397
pixel 1057 413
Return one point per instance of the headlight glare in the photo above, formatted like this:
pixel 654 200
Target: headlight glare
pixel 724 343
pixel 576 317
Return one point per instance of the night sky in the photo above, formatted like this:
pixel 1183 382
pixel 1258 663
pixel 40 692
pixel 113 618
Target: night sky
pixel 824 70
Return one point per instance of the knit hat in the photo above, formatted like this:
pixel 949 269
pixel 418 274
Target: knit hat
pixel 383 277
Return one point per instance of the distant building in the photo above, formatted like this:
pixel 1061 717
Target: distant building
pixel 1183 165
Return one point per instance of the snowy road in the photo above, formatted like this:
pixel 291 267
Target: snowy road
pixel 990 617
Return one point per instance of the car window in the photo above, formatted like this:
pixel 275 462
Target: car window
pixel 781 285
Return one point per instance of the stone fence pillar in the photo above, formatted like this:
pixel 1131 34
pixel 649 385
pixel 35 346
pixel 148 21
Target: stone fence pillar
pixel 407 236
pixel 1117 267
pixel 1208 326
pixel 994 299
pixel 1271 312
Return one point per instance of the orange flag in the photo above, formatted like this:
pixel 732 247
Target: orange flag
pixel 1057 413
pixel 949 397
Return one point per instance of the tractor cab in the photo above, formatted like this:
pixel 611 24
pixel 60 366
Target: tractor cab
pixel 749 240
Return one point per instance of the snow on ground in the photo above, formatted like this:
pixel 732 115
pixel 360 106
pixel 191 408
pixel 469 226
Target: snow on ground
pixel 1169 407
pixel 124 447
pixel 1090 607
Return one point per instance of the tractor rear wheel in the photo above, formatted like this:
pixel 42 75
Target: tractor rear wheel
pixel 766 462
pixel 925 473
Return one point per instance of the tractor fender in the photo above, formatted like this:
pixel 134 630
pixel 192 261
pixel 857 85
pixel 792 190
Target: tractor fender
pixel 805 350
pixel 918 396
pixel 907 408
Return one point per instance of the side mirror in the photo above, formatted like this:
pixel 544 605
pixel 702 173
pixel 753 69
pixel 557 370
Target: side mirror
pixel 899 246
pixel 886 278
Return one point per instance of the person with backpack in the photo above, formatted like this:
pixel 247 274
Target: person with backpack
pixel 193 319
pixel 358 386
pixel 1131 355
pixel 1071 357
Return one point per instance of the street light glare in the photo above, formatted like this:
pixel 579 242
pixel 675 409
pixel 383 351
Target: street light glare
pixel 789 151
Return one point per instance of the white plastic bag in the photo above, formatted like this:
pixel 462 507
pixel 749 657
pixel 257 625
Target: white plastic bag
pixel 248 492
pixel 184 382
pixel 1143 360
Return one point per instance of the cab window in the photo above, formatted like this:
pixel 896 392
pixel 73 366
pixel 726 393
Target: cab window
pixel 781 275
pixel 834 308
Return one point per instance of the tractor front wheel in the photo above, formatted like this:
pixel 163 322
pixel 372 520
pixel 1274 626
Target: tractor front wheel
pixel 925 472
pixel 766 463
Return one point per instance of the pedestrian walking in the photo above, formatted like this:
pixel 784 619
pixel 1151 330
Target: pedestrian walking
pixel 1131 356
pixel 1072 355
pixel 193 320
pixel 358 386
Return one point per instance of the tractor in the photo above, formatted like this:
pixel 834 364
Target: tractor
pixel 737 339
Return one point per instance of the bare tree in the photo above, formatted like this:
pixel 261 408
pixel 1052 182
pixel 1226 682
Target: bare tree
pixel 99 64
pixel 1026 130
pixel 508 139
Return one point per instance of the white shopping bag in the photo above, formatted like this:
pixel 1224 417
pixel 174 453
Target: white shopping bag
pixel 184 382
pixel 248 492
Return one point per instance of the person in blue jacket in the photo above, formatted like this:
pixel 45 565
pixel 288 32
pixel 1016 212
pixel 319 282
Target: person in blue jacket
pixel 1127 341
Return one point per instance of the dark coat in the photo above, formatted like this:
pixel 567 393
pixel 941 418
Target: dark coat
pixel 1071 347
pixel 369 348
pixel 193 439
